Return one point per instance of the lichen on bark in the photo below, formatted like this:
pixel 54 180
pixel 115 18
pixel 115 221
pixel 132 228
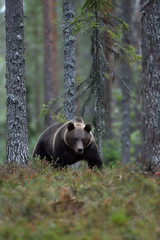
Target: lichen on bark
pixel 69 60
pixel 17 131
pixel 151 84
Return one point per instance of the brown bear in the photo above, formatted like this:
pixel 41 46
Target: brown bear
pixel 68 143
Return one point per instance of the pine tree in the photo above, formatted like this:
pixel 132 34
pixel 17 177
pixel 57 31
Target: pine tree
pixel 50 54
pixel 151 84
pixel 69 61
pixel 126 76
pixel 17 131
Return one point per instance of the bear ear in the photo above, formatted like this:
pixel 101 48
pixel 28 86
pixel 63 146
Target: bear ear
pixel 70 126
pixel 88 127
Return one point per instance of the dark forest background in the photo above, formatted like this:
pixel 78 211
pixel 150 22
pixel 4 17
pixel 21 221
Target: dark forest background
pixel 113 124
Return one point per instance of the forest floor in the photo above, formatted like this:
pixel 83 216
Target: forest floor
pixel 37 203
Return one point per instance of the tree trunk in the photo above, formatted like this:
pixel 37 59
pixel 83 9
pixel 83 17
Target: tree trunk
pixel 108 100
pixel 137 75
pixel 126 76
pixel 151 84
pixel 69 60
pixel 108 86
pixel 99 86
pixel 70 106
pixel 17 132
pixel 98 77
pixel 50 53
pixel 36 83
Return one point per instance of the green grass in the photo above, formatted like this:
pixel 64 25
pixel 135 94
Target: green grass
pixel 39 203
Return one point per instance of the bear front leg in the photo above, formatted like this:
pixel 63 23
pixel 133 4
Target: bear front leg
pixel 40 152
pixel 93 158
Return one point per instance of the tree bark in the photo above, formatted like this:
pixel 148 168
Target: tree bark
pixel 36 82
pixel 17 131
pixel 108 86
pixel 50 54
pixel 151 84
pixel 98 77
pixel 126 76
pixel 70 106
pixel 108 100
pixel 137 75
pixel 69 61
pixel 99 85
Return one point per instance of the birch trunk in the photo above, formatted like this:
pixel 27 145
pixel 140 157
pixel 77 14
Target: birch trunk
pixel 17 131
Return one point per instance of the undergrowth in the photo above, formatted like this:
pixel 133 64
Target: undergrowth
pixel 39 203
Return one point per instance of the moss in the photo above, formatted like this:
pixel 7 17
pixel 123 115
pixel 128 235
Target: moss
pixel 40 203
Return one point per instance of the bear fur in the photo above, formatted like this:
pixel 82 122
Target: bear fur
pixel 68 143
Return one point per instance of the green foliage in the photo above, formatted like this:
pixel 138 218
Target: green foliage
pixel 40 203
pixel 111 25
pixel 130 55
pixel 44 110
pixel 116 32
pixel 60 118
pixel 111 153
pixel 57 113
pixel 94 5
pixel 86 19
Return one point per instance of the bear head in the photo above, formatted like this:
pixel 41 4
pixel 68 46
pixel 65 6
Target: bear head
pixel 78 136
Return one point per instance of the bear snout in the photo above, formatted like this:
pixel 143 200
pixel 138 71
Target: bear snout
pixel 80 150
pixel 79 147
